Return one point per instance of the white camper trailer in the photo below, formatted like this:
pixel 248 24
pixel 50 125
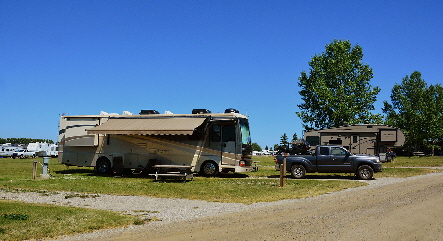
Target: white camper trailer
pixel 7 149
pixel 43 149
pixel 209 142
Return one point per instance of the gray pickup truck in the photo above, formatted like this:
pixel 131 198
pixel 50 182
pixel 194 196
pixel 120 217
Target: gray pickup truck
pixel 330 159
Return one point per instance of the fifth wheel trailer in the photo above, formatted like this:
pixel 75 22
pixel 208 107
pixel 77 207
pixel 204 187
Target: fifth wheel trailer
pixel 209 142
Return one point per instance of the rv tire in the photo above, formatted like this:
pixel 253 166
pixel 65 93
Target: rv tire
pixel 103 165
pixel 209 169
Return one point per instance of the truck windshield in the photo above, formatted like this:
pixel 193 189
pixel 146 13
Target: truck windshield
pixel 245 134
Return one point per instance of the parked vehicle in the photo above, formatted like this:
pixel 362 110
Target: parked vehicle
pixel 330 159
pixel 23 153
pixel 7 150
pixel 209 142
pixel 43 149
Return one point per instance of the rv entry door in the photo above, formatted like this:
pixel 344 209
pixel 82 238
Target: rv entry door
pixel 223 140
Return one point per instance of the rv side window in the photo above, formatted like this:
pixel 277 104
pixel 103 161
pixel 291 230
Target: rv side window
pixel 228 133
pixel 215 133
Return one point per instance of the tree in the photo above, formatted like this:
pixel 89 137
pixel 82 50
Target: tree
pixel 294 137
pixel 256 147
pixel 417 110
pixel 337 89
pixel 24 140
pixel 276 147
pixel 284 142
pixel 434 117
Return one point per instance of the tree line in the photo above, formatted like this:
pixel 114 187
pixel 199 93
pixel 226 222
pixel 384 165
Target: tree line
pixel 23 141
pixel 336 90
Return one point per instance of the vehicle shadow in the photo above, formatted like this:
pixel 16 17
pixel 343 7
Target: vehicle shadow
pixel 321 177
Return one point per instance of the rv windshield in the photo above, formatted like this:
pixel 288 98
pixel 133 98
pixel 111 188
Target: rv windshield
pixel 245 134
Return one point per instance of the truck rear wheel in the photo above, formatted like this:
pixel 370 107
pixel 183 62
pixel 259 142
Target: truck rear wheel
pixel 209 169
pixel 298 171
pixel 103 165
pixel 365 172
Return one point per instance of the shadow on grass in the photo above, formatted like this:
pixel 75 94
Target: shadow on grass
pixel 75 171
pixel 232 175
pixel 321 177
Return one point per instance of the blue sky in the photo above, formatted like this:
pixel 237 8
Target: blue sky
pixel 83 57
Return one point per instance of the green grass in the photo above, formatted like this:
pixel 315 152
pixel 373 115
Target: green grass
pixel 21 221
pixel 427 161
pixel 228 188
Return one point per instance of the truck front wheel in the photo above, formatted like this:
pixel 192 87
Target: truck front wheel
pixel 298 171
pixel 365 172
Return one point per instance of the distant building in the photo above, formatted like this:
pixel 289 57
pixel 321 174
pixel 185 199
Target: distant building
pixel 359 139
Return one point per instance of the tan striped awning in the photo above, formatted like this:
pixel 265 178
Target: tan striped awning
pixel 148 126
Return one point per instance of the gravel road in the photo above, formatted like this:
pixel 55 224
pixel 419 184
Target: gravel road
pixel 387 209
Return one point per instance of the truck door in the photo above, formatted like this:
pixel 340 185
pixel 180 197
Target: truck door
pixel 337 160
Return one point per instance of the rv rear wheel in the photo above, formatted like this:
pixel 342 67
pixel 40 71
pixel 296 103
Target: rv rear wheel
pixel 103 165
pixel 209 169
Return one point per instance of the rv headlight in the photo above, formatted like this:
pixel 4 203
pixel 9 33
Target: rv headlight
pixel 242 163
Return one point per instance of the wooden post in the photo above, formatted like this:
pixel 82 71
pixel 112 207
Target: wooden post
pixel 34 169
pixel 283 172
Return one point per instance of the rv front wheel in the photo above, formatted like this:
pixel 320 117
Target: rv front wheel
pixel 103 165
pixel 209 169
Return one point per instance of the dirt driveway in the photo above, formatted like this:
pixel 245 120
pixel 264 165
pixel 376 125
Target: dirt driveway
pixel 407 210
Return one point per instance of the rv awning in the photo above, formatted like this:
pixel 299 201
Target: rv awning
pixel 148 126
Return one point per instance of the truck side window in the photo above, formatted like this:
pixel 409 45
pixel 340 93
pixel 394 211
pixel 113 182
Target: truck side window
pixel 337 151
pixel 324 151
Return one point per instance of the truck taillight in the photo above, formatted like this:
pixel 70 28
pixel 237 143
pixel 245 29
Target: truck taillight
pixel 242 163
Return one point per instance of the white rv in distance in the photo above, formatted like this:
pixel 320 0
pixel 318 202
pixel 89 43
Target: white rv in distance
pixel 43 149
pixel 209 142
pixel 7 149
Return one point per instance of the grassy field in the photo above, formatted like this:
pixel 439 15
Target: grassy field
pixel 19 220
pixel 227 188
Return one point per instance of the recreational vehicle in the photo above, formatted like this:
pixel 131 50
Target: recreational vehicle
pixel 43 149
pixel 359 139
pixel 208 142
pixel 7 149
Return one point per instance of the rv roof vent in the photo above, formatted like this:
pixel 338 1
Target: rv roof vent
pixel 127 113
pixel 200 111
pixel 148 112
pixel 231 110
